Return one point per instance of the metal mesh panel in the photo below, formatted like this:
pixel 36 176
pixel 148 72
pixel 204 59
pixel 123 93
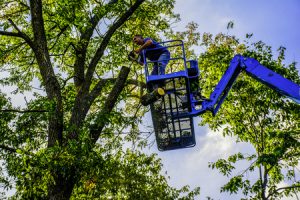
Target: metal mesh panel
pixel 171 131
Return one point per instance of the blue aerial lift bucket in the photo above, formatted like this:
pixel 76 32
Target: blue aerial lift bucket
pixel 171 130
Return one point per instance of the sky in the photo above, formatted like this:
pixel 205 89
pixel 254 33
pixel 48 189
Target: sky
pixel 275 22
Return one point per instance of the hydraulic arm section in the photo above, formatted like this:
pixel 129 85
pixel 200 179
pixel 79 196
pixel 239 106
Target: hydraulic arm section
pixel 254 69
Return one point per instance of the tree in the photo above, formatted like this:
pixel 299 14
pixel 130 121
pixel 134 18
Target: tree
pixel 256 114
pixel 67 141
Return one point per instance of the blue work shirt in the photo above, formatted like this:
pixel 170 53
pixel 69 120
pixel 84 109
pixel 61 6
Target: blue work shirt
pixel 154 55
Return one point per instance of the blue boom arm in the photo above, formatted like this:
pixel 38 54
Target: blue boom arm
pixel 254 69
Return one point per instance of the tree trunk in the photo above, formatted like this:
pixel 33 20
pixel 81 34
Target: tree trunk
pixel 63 187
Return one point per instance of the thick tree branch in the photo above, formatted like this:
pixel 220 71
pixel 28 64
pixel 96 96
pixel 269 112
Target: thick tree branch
pixel 109 104
pixel 97 89
pixel 23 35
pixel 128 82
pixel 106 39
pixel 85 101
pixel 136 82
pixel 49 79
pixel 19 34
pixel 82 105
pixel 38 28
pixel 102 82
pixel 10 34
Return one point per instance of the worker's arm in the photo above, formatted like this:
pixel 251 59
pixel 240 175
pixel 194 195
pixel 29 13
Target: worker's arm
pixel 144 46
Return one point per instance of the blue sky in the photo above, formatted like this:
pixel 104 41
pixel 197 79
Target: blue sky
pixel 275 22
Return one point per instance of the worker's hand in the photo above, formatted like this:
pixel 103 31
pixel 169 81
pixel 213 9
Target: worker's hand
pixel 137 51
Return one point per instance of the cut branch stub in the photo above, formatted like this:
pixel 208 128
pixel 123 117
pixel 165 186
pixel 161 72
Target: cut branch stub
pixel 152 97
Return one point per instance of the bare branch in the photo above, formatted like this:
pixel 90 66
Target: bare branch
pixel 288 187
pixel 283 188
